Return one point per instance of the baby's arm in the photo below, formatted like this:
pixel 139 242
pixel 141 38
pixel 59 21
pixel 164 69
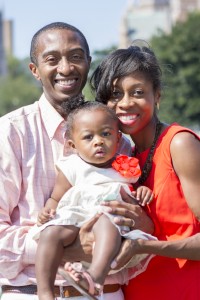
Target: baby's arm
pixel 143 195
pixel 47 213
pixel 62 185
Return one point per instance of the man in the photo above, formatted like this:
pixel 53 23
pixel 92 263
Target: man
pixel 31 141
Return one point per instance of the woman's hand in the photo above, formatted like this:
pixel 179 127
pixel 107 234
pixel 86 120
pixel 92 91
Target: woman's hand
pixel 82 247
pixel 130 213
pixel 127 251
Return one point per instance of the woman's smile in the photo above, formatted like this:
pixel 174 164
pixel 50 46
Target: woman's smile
pixel 128 119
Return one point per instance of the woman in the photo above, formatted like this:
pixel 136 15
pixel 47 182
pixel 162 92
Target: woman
pixel 129 81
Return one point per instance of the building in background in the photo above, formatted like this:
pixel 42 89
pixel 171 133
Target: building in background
pixel 144 18
pixel 6 42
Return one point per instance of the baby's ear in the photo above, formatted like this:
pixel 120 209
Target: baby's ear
pixel 69 147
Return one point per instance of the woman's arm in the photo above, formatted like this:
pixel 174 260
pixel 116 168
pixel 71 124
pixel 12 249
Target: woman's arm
pixel 188 248
pixel 185 153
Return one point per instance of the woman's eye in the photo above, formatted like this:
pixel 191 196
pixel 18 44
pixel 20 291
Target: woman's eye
pixel 115 94
pixel 138 92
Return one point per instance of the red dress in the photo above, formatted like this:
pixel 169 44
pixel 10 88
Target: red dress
pixel 167 278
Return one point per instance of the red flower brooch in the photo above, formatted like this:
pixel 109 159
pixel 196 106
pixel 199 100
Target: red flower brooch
pixel 127 166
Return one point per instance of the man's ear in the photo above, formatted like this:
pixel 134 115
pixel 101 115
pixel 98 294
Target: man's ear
pixel 34 71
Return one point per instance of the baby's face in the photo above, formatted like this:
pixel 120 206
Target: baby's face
pixel 95 137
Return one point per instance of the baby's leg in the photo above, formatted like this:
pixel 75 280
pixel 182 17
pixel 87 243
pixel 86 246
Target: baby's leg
pixel 50 250
pixel 107 245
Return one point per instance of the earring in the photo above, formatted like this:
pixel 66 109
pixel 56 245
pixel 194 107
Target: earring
pixel 157 105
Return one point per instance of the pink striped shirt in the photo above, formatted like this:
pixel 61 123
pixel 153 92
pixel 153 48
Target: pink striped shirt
pixel 31 141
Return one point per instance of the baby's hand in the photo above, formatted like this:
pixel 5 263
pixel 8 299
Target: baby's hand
pixel 45 215
pixel 143 195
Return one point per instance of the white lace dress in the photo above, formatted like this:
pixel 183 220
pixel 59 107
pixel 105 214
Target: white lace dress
pixel 90 186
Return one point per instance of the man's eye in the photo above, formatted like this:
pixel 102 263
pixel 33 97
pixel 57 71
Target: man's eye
pixel 77 57
pixel 51 59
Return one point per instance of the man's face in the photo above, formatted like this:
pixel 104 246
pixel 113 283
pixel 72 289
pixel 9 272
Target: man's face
pixel 62 65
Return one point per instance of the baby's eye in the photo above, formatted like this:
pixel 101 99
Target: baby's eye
pixel 106 133
pixel 88 137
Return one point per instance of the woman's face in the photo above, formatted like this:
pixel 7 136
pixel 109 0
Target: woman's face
pixel 134 100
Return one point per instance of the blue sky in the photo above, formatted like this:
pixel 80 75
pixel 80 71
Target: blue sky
pixel 99 20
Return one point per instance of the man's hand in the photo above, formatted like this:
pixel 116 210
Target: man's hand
pixel 81 249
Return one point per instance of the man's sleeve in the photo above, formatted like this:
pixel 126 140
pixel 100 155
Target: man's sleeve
pixel 16 248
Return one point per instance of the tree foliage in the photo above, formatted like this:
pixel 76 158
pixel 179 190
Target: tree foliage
pixel 179 54
pixel 18 87
pixel 97 57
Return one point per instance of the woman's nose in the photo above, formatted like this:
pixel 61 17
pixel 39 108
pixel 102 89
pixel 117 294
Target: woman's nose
pixel 126 101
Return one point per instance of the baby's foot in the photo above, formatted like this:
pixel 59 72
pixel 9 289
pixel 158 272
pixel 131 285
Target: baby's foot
pixel 83 278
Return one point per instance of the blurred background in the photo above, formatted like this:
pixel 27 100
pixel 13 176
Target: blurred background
pixel 171 28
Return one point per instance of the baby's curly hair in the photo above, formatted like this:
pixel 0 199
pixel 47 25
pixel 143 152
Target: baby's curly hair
pixel 77 104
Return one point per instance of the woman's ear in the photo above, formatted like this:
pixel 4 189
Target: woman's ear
pixel 157 97
pixel 119 136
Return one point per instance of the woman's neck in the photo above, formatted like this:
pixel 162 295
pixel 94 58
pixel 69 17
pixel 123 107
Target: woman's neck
pixel 144 138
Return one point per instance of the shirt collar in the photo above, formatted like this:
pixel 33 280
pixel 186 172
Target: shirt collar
pixel 51 118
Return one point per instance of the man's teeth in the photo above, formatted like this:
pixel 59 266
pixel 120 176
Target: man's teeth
pixel 66 82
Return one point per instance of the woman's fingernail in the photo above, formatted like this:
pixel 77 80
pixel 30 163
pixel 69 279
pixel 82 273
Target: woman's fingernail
pixel 107 209
pixel 117 220
pixel 113 264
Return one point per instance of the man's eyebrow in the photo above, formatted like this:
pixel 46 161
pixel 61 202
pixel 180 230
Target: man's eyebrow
pixel 77 49
pixel 50 52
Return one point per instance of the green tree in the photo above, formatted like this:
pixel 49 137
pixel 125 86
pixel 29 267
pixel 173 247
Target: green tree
pixel 97 57
pixel 18 88
pixel 179 54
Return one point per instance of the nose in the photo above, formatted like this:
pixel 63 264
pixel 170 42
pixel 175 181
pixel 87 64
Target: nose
pixel 65 66
pixel 98 141
pixel 126 101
